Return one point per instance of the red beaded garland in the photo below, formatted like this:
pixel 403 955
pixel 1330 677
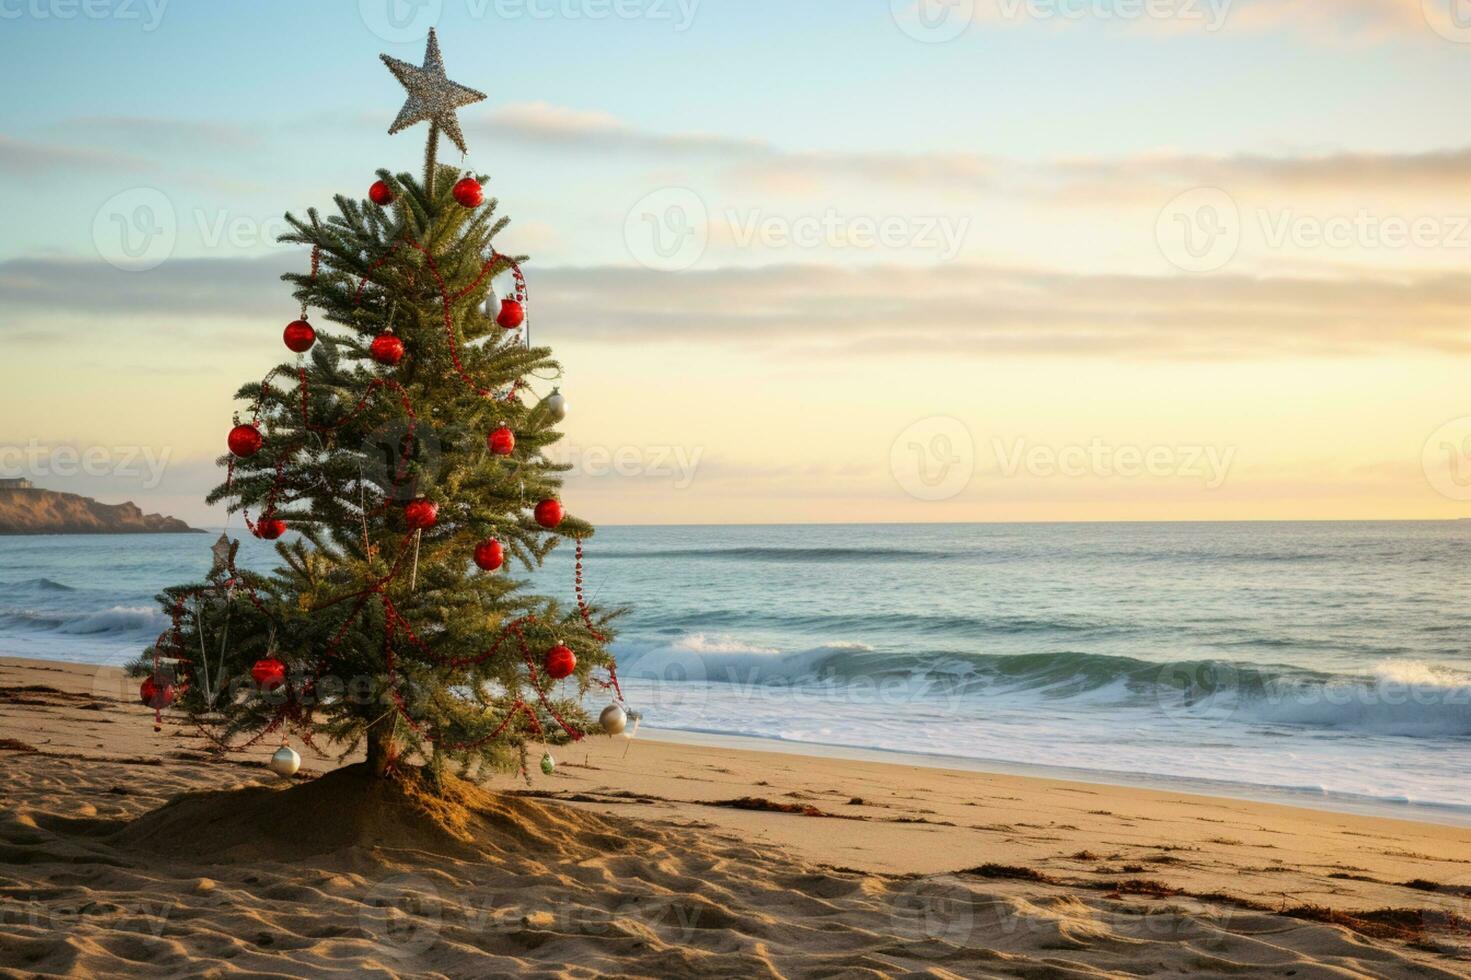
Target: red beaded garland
pixel 156 692
pixel 502 441
pixel 269 673
pixel 469 192
pixel 549 513
pixel 299 336
pixel 380 194
pixel 421 514
pixel 244 440
pixel 387 349
pixel 560 662
pixel 489 554
pixel 270 528
pixel 512 314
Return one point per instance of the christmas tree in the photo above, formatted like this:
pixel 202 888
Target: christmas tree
pixel 405 451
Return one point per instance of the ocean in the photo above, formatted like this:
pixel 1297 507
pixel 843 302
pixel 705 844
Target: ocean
pixel 1320 660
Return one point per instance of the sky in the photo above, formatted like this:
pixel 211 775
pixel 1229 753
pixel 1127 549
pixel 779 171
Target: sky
pixel 829 261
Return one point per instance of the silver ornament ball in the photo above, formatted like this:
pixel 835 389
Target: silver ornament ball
pixel 492 305
pixel 613 719
pixel 556 404
pixel 285 762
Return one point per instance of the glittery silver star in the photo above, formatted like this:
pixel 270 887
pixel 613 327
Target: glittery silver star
pixel 432 96
pixel 221 552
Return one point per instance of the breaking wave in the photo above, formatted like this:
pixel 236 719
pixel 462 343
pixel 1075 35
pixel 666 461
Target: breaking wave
pixel 1401 697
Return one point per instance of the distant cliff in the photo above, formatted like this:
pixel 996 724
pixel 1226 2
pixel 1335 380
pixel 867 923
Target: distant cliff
pixel 34 511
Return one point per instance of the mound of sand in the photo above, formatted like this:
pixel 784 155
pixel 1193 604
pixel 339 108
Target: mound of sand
pixel 348 809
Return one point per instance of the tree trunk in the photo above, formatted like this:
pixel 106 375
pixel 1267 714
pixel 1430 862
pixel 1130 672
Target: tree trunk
pixel 382 752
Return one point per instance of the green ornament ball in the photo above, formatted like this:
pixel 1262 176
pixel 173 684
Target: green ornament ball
pixel 548 764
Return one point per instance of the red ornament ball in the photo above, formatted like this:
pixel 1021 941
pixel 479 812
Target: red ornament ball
pixel 489 554
pixel 549 513
pixel 512 314
pixel 469 192
pixel 244 440
pixel 380 194
pixel 420 514
pixel 156 692
pixel 270 528
pixel 268 673
pixel 387 349
pixel 299 336
pixel 502 441
pixel 560 662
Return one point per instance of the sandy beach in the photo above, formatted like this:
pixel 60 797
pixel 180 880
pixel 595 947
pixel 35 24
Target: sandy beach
pixel 656 858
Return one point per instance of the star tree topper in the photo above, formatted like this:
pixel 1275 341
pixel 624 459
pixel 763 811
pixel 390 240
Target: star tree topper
pixel 432 96
pixel 223 552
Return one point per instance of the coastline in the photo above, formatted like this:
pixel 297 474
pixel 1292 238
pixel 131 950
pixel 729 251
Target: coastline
pixel 1013 874
pixel 641 761
pixel 1306 798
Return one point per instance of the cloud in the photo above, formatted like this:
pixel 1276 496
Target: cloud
pixel 1103 181
pixel 558 127
pixel 27 159
pixel 967 310
pixel 969 171
pixel 541 123
pixel 1438 171
pixel 156 131
pixel 756 164
pixel 985 310
pixel 1343 21
pixel 235 287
